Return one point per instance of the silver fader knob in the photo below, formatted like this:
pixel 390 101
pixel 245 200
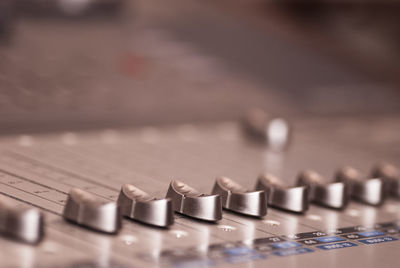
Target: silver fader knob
pixel 87 210
pixel 367 190
pixel 275 132
pixel 190 202
pixel 236 198
pixel 294 199
pixel 332 195
pixel 391 177
pixel 20 223
pixel 138 205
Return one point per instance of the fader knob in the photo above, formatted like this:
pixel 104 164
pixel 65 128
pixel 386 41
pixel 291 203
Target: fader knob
pixel 391 177
pixel 138 205
pixel 333 195
pixel 275 132
pixel 281 196
pixel 20 223
pixel 367 190
pixel 87 210
pixel 236 198
pixel 190 202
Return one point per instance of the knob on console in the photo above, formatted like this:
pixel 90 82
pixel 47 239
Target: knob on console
pixel 294 199
pixel 20 223
pixel 367 190
pixel 87 210
pixel 191 202
pixel 332 195
pixel 391 177
pixel 138 205
pixel 275 132
pixel 236 198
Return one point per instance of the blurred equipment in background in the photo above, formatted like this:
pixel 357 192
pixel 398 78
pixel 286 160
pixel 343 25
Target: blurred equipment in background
pixel 72 8
pixel 367 33
pixel 7 18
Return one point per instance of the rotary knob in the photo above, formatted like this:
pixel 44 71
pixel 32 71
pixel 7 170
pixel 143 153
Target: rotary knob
pixel 190 202
pixel 236 198
pixel 294 199
pixel 138 205
pixel 21 223
pixel 87 210
pixel 328 194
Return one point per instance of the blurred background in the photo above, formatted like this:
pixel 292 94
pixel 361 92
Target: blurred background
pixel 107 63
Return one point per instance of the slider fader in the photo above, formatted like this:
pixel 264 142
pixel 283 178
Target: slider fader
pixel 211 200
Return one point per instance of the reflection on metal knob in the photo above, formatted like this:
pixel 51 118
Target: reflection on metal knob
pixel 369 191
pixel 234 197
pixel 190 202
pixel 273 131
pixel 20 223
pixel 85 209
pixel 138 205
pixel 294 199
pixel 391 177
pixel 332 195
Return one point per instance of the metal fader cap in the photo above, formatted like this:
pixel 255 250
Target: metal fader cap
pixel 275 132
pixel 332 195
pixel 369 190
pixel 391 177
pixel 279 195
pixel 87 210
pixel 21 223
pixel 190 202
pixel 236 198
pixel 138 205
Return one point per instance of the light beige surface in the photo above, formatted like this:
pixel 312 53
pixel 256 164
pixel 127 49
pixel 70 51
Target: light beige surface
pixel 41 169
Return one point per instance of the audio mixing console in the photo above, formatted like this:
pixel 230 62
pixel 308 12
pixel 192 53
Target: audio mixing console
pixel 74 179
pixel 98 168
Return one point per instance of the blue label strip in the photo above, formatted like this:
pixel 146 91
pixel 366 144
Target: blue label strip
pixel 293 251
pixel 287 244
pixel 246 258
pixel 238 251
pixel 371 233
pixel 329 239
pixel 337 245
pixel 377 240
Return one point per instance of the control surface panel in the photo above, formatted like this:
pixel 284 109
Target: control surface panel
pixel 75 180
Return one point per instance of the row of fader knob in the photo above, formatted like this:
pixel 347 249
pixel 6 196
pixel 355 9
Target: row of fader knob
pixel 85 209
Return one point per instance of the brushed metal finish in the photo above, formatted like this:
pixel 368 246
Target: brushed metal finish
pixel 21 223
pixel 369 190
pixel 328 194
pixel 138 205
pixel 279 195
pixel 85 209
pixel 236 198
pixel 190 202
pixel 391 177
